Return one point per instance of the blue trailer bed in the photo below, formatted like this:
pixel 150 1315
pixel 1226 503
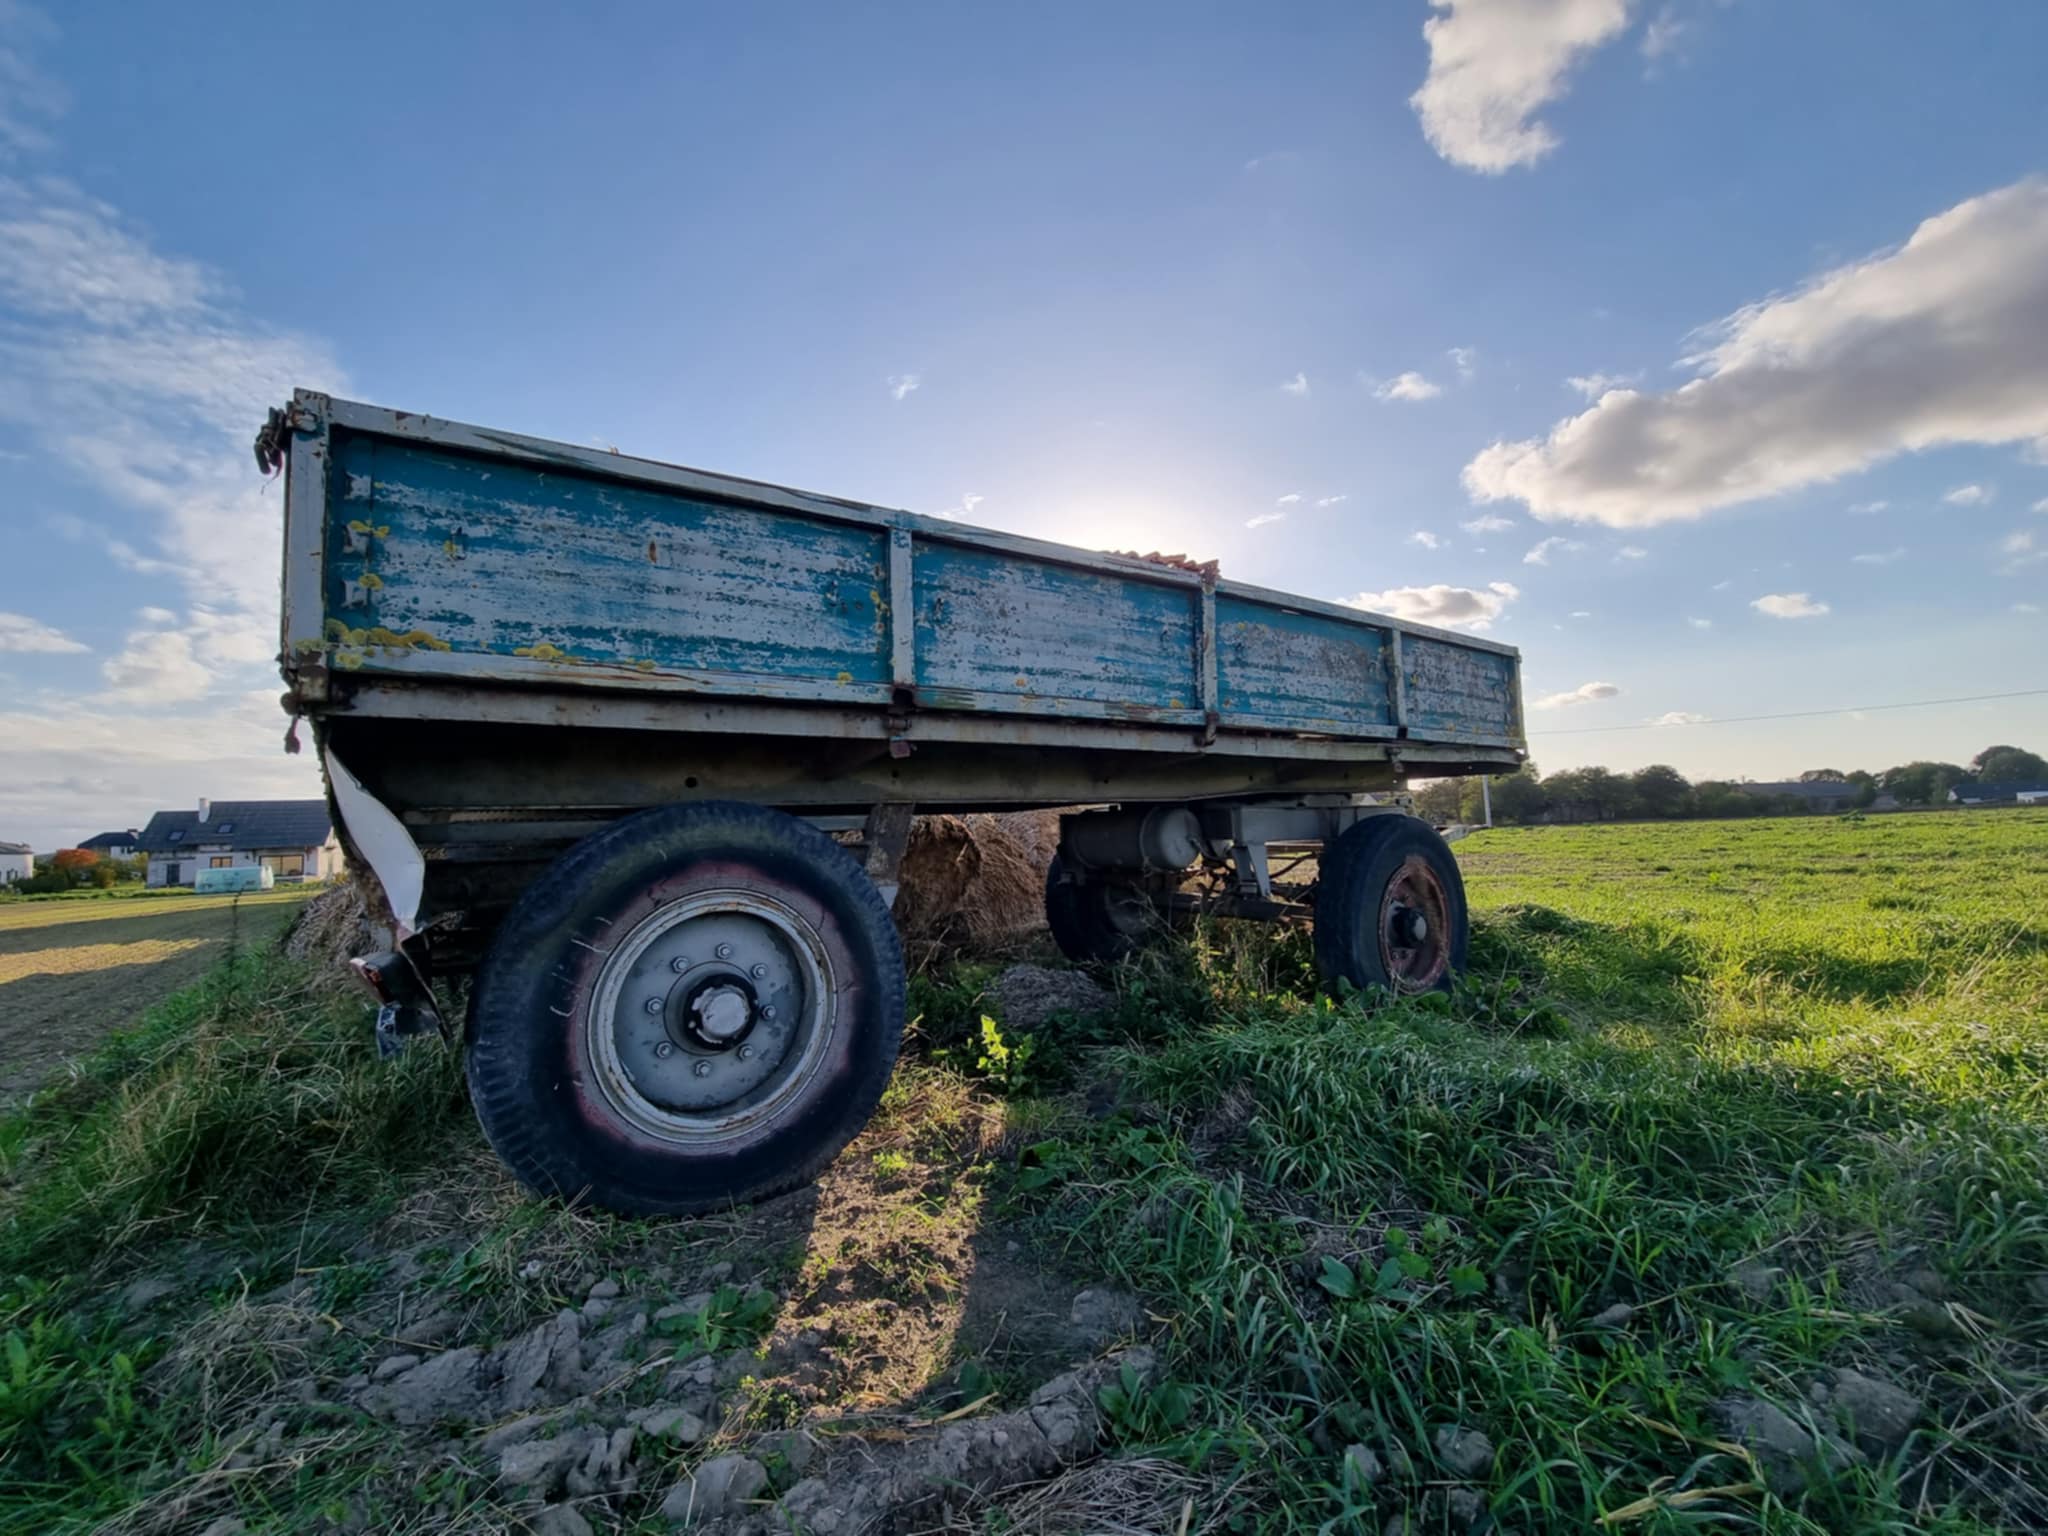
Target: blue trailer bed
pixel 593 721
pixel 422 551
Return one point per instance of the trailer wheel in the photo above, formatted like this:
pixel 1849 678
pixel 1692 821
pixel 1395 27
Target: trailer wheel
pixel 1094 919
pixel 697 1006
pixel 1390 907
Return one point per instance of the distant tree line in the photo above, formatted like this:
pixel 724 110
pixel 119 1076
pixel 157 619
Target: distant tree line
pixel 1661 793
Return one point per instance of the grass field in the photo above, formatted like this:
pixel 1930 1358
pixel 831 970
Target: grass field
pixel 71 969
pixel 1717 1198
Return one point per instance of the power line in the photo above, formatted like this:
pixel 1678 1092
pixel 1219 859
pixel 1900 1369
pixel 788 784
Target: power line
pixel 1792 714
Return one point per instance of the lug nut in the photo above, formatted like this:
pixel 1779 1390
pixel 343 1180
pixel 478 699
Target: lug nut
pixel 655 1004
pixel 725 951
pixel 702 1069
pixel 664 1050
pixel 767 1010
pixel 757 971
pixel 680 964
pixel 746 1053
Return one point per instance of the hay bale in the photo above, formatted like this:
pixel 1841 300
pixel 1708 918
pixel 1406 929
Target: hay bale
pixel 331 930
pixel 976 880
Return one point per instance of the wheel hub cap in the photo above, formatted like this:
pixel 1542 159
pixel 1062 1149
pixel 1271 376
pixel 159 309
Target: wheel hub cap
pixel 1410 927
pixel 1415 928
pixel 720 1014
pixel 713 1010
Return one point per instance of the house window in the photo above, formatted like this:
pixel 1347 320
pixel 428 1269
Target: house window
pixel 227 826
pixel 286 863
pixel 223 861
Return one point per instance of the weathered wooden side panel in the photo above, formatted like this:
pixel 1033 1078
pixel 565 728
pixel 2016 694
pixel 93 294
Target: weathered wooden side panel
pixel 1282 670
pixel 1456 693
pixel 997 631
pixel 449 571
pixel 433 550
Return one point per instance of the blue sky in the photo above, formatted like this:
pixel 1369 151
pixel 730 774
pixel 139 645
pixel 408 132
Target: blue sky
pixel 1126 276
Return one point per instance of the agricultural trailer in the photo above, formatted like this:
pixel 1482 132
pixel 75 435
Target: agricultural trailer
pixel 639 746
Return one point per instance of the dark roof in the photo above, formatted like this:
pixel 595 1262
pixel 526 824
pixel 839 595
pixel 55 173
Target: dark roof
pixel 16 848
pixel 241 824
pixel 1978 791
pixel 112 839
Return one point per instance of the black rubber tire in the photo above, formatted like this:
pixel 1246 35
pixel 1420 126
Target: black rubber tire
pixel 1351 887
pixel 528 1075
pixel 1079 914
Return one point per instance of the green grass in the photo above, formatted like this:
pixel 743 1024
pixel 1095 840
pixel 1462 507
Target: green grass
pixel 1682 1052
pixel 1819 1045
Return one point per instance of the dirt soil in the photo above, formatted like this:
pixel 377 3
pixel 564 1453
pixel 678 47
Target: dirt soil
pixel 70 971
pixel 865 1355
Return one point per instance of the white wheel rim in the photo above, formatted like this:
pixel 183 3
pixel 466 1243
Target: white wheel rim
pixel 682 1072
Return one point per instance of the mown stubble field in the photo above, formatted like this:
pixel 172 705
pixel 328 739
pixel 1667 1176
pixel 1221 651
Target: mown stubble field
pixel 71 969
pixel 1717 1198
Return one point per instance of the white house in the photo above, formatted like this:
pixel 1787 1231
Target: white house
pixel 16 862
pixel 294 839
pixel 114 845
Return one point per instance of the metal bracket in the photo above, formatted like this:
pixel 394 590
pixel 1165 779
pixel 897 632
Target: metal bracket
pixel 882 839
pixel 398 1023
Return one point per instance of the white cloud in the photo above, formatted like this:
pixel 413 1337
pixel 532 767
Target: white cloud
pixel 156 616
pixel 138 372
pixel 134 372
pixel 1408 386
pixel 1663 35
pixel 1554 545
pixel 1585 693
pixel 1701 623
pixel 1465 360
pixel 1296 386
pixel 1723 586
pixel 1582 613
pixel 2021 548
pixel 156 667
pixel 1937 342
pixel 1288 500
pixel 1594 385
pixel 1631 552
pixel 1488 523
pixel 1494 64
pixel 29 104
pixel 19 632
pixel 902 385
pixel 1969 496
pixel 68 770
pixel 1865 508
pixel 2026 607
pixel 1880 556
pixel 1426 539
pixel 2041 505
pixel 968 503
pixel 1681 717
pixel 1789 605
pixel 1264 518
pixel 1452 607
pixel 1332 501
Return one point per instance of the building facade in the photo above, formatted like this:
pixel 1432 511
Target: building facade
pixel 293 839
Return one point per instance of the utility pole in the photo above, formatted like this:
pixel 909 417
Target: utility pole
pixel 1486 798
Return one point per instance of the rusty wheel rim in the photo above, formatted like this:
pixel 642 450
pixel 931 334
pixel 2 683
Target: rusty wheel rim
pixel 1415 927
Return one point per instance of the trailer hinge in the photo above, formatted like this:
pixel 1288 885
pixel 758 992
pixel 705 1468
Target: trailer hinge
pixel 273 438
